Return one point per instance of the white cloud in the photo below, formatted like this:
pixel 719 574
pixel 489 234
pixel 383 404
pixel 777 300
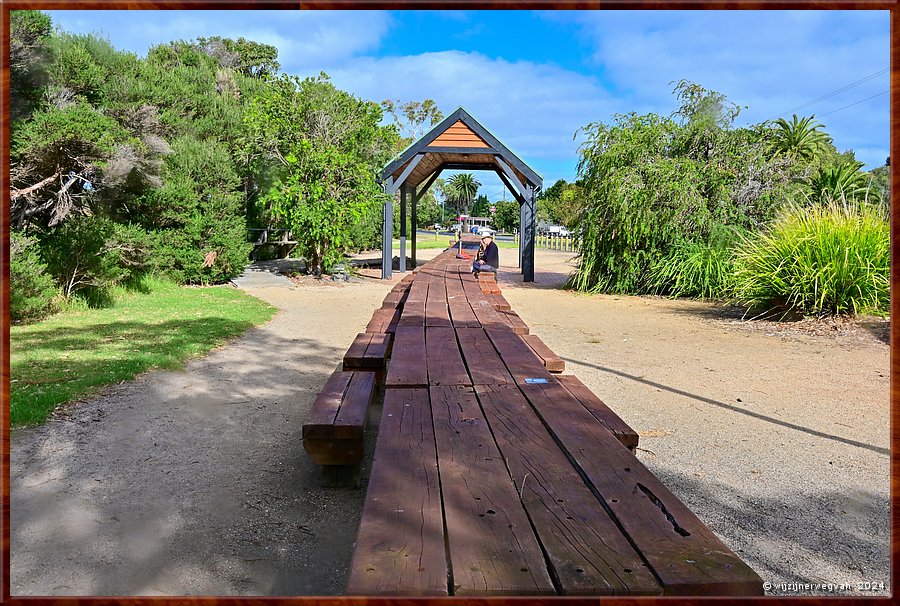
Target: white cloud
pixel 771 61
pixel 534 109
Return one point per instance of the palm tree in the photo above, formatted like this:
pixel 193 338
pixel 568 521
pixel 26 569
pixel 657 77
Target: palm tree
pixel 463 187
pixel 799 139
pixel 842 181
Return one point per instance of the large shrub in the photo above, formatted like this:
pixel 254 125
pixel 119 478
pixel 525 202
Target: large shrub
pixel 32 292
pixel 198 215
pixel 831 258
pixel 89 255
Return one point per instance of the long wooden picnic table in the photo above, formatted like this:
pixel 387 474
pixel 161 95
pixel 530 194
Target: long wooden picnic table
pixel 494 476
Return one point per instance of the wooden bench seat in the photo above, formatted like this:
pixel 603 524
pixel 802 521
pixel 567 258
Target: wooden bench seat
pixel 333 432
pixel 494 476
pixel 369 351
pixel 552 362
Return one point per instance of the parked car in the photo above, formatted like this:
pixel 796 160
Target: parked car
pixel 438 227
pixel 486 230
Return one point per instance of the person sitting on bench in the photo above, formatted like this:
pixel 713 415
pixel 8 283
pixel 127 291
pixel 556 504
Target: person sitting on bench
pixel 488 258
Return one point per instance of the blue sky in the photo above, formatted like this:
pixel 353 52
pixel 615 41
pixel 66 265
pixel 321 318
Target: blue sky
pixel 535 77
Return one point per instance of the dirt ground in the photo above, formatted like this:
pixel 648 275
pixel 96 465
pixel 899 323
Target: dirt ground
pixel 195 482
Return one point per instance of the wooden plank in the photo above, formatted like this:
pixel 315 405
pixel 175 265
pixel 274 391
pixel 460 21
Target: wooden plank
pixel 588 552
pixel 552 362
pixel 379 348
pixel 418 292
pixel 487 315
pixel 462 315
pixel 484 363
pixel 350 421
pixel 320 421
pixel 437 314
pixel 400 546
pixel 413 313
pixel 445 362
pixel 603 413
pixel 356 353
pixel 499 302
pixel 333 451
pixel 492 548
pixel 383 319
pixel 408 366
pixel 685 555
pixel 521 361
pixel 517 324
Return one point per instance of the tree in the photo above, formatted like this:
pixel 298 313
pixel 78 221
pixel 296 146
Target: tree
pixel 413 119
pixel 29 32
pixel 842 181
pixel 507 216
pixel 482 206
pixel 329 146
pixel 463 187
pixel 799 139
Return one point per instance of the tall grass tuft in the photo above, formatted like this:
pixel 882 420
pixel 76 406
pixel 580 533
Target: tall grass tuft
pixel 698 269
pixel 831 258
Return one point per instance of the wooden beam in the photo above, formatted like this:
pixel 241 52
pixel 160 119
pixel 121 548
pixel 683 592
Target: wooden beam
pixel 511 175
pixel 394 184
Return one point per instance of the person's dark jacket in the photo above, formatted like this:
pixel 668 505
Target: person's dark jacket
pixel 491 255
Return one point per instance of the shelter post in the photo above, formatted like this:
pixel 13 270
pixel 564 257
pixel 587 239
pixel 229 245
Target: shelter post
pixel 387 238
pixel 528 229
pixel 415 203
pixel 402 228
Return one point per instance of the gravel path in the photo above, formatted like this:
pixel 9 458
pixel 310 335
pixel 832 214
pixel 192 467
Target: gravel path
pixel 195 481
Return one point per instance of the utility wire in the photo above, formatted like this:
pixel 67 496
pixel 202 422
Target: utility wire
pixel 852 104
pixel 832 93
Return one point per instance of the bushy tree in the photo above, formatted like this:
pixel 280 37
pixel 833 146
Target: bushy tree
pixel 507 216
pixel 329 146
pixel 32 291
pixel 649 183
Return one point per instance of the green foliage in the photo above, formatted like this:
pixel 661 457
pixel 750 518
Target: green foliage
pixel 412 119
pixel 507 216
pixel 29 32
pixel 831 258
pixel 844 180
pixel 481 207
pixel 649 184
pixel 329 145
pixel 698 269
pixel 202 237
pixel 88 256
pixel 73 353
pixel 460 190
pixel 32 292
pixel 250 58
pixel 799 139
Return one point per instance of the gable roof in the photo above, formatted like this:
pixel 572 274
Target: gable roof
pixel 459 141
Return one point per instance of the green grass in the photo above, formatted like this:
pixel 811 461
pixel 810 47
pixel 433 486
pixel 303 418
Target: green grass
pixel 824 259
pixel 73 353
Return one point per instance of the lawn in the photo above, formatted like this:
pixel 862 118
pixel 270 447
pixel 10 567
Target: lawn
pixel 73 353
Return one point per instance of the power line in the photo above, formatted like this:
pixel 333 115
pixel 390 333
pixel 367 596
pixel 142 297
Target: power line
pixel 852 104
pixel 832 93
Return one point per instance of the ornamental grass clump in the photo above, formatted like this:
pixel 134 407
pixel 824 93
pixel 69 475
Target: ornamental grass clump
pixel 825 259
pixel 698 269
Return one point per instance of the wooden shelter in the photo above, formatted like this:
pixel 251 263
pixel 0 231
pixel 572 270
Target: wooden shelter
pixel 458 142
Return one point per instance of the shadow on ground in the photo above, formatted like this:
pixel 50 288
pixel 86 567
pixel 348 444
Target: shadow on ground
pixel 195 483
